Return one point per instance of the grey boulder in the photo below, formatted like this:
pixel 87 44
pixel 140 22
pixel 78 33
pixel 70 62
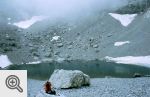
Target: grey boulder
pixel 69 79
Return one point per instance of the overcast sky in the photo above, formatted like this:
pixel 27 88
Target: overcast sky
pixel 58 8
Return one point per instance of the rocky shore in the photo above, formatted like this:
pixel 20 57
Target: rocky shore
pixel 101 87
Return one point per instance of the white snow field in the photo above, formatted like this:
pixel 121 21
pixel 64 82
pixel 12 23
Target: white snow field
pixel 135 60
pixel 120 43
pixel 27 23
pixel 124 19
pixel 55 38
pixel 4 61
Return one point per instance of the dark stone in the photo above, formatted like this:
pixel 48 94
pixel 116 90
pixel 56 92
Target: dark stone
pixel 137 75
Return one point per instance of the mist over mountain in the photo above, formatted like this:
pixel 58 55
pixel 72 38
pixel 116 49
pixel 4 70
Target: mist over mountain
pixel 57 8
pixel 108 40
pixel 73 29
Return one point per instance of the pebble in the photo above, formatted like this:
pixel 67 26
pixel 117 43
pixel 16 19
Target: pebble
pixel 102 87
pixel 70 47
pixel 59 45
pixel 95 46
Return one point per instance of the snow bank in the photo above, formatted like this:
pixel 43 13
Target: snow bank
pixel 120 43
pixel 136 60
pixel 36 62
pixel 4 61
pixel 124 19
pixel 27 23
pixel 55 38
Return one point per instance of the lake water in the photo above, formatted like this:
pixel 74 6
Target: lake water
pixel 94 68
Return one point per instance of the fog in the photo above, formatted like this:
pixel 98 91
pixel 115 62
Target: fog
pixel 59 8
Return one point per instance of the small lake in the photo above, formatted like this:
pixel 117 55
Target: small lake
pixel 94 68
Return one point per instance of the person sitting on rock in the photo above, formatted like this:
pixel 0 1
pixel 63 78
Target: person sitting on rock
pixel 48 88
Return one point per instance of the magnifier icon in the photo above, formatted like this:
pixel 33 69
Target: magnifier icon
pixel 13 82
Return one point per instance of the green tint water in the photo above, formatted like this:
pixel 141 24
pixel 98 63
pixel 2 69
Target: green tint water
pixel 93 68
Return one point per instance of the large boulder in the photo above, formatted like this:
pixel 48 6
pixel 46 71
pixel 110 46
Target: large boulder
pixel 69 79
pixel 43 94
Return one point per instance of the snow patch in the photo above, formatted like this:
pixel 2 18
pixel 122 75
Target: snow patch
pixel 60 60
pixel 8 19
pixel 120 43
pixel 36 62
pixel 135 60
pixel 124 19
pixel 55 38
pixel 27 23
pixel 4 61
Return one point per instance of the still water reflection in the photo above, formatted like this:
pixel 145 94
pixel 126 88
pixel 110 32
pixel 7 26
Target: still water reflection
pixel 93 68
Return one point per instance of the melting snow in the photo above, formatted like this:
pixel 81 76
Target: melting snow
pixel 120 43
pixel 27 23
pixel 136 60
pixel 55 38
pixel 4 61
pixel 124 19
pixel 36 62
